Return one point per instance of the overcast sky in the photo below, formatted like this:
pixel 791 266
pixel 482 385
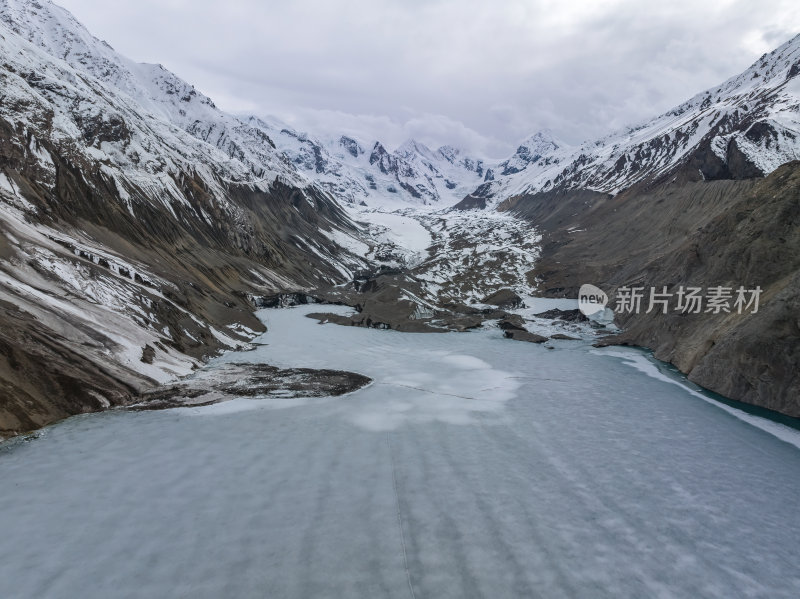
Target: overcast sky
pixel 476 74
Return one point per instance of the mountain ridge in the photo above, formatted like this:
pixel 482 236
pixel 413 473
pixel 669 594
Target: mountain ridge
pixel 357 171
pixel 745 127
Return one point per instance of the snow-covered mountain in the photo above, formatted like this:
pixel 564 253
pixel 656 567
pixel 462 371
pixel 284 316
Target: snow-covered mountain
pixel 742 128
pixel 137 222
pixel 351 170
pixel 537 149
pixel 745 127
pixel 359 172
pixel 161 93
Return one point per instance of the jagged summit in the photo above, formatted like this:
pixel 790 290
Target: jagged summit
pixel 538 147
pixel 412 148
pixel 367 171
pixel 449 153
pixel 351 146
pixel 543 141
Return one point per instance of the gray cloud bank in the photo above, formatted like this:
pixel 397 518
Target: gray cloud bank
pixel 475 74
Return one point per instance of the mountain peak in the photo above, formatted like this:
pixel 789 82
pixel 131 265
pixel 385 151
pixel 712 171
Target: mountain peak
pixel 51 27
pixel 411 147
pixel 542 142
pixel 745 127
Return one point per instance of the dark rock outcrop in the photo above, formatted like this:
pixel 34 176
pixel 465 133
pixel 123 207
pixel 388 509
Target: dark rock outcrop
pixel 524 336
pixel 566 315
pixel 251 380
pixel 512 322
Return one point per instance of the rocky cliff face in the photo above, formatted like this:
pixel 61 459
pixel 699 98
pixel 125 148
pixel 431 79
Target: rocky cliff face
pixel 682 201
pixel 690 234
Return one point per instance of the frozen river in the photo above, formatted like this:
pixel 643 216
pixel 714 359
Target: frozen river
pixel 472 466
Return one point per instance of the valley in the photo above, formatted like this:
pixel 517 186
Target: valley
pixel 141 225
pixel 243 359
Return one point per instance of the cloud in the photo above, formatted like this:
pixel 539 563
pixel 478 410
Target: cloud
pixel 463 72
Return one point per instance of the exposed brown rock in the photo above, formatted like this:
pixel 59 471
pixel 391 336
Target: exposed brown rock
pixel 566 315
pixel 148 353
pixel 702 233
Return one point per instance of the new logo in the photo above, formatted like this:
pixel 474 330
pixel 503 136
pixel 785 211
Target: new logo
pixel 591 299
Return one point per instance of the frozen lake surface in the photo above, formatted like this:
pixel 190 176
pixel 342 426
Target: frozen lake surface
pixel 472 466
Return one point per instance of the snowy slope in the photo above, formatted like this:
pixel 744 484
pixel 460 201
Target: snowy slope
pixel 96 124
pixel 351 170
pixel 745 127
pixel 52 117
pixel 164 95
pixel 539 149
pixel 155 139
